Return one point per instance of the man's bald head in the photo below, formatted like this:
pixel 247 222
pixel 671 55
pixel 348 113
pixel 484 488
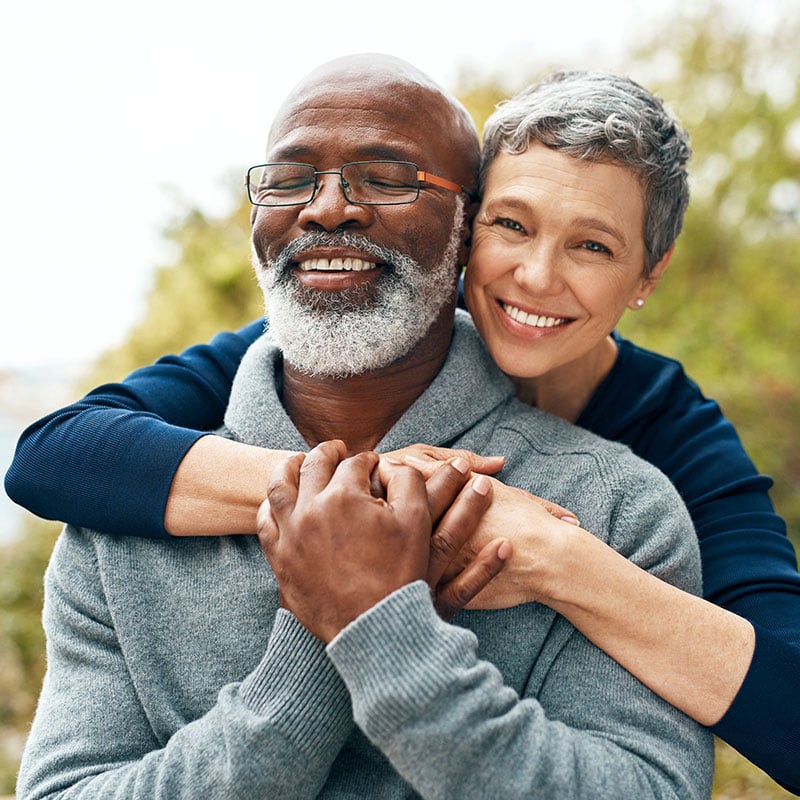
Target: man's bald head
pixel 379 88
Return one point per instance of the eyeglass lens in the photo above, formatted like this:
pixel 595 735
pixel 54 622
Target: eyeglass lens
pixel 367 182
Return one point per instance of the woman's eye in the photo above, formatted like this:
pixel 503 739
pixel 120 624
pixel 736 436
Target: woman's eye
pixel 511 224
pixel 596 247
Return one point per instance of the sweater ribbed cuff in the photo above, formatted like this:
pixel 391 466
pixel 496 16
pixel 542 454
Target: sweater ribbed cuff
pixel 297 688
pixel 398 657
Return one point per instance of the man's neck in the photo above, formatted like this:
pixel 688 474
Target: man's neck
pixel 361 409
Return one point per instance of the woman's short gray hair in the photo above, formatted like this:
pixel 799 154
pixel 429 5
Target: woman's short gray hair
pixel 607 118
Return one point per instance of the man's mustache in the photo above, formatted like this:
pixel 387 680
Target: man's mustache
pixel 281 264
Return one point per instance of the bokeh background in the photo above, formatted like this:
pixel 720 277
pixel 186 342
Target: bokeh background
pixel 125 231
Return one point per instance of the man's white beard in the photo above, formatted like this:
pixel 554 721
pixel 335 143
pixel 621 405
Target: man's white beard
pixel 337 334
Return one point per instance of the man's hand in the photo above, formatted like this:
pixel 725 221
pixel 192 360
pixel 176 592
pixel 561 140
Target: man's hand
pixel 337 550
pixel 453 580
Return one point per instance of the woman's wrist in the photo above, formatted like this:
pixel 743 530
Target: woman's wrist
pixel 218 488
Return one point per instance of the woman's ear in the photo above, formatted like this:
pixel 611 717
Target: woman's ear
pixel 648 284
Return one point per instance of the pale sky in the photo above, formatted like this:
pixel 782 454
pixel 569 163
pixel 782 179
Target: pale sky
pixel 114 112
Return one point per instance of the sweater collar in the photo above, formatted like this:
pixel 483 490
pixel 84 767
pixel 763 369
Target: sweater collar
pixel 465 391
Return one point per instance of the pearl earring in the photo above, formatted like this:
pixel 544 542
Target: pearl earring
pixel 639 302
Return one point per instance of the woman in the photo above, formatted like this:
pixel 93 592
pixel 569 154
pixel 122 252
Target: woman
pixel 584 192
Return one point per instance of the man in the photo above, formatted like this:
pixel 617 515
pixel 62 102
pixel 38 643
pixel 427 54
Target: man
pixel 172 669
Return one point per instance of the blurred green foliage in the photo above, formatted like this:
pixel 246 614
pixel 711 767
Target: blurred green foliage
pixel 726 307
pixel 208 288
pixel 22 660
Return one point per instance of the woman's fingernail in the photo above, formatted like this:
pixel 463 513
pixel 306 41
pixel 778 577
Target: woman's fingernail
pixel 504 551
pixel 461 465
pixel 569 518
pixel 481 485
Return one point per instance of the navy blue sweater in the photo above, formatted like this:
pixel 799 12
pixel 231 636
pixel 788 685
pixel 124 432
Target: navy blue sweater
pixel 107 462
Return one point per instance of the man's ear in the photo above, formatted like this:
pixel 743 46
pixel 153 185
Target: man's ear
pixel 470 210
pixel 648 284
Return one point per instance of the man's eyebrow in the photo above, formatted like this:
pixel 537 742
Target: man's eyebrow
pixel 308 154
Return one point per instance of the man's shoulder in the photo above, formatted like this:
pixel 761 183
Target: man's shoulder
pixel 106 559
pixel 550 435
pixel 622 499
pixel 540 443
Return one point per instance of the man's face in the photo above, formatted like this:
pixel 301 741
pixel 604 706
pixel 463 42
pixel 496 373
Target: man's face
pixel 352 288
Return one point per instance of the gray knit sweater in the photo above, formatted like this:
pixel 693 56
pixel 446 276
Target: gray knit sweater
pixel 172 672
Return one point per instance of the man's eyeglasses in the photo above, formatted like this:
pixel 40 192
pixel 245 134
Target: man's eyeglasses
pixel 370 183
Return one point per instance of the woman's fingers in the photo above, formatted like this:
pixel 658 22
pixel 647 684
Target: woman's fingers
pixel 557 511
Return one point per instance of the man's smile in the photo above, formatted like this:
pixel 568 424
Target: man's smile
pixel 335 265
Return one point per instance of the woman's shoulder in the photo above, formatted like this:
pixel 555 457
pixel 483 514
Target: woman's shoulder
pixel 643 386
pixel 639 363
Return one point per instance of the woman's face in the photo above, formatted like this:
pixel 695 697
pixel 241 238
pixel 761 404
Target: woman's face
pixel 557 255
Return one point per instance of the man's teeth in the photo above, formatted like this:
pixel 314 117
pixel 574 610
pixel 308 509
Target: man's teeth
pixel 533 320
pixel 336 265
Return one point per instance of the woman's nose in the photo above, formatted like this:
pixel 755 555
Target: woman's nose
pixel 538 270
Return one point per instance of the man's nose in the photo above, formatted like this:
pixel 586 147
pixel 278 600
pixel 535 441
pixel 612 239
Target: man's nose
pixel 330 209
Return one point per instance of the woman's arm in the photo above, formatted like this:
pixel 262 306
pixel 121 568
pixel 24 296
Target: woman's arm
pixel 737 672
pixel 689 651
pixel 749 563
pixel 107 462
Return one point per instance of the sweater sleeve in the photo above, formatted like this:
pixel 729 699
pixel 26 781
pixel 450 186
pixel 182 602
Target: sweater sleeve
pixel 107 462
pixel 451 727
pixel 274 735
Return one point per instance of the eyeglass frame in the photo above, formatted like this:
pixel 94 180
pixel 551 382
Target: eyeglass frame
pixel 422 177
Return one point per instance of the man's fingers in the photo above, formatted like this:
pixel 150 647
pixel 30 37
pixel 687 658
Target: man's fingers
pixel 268 532
pixel 406 492
pixel 445 484
pixel 284 484
pixel 454 595
pixel 357 471
pixel 457 526
pixel 320 465
pixel 280 501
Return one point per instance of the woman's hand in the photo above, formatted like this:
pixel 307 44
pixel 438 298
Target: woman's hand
pixel 536 528
pixel 541 534
pixel 427 459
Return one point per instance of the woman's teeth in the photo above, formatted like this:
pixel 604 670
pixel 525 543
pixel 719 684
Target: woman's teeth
pixel 532 320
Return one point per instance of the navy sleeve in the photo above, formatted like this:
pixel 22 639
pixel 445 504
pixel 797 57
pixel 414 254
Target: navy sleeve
pixel 749 563
pixel 107 462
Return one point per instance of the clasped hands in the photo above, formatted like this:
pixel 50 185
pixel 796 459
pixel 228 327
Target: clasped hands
pixel 342 533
